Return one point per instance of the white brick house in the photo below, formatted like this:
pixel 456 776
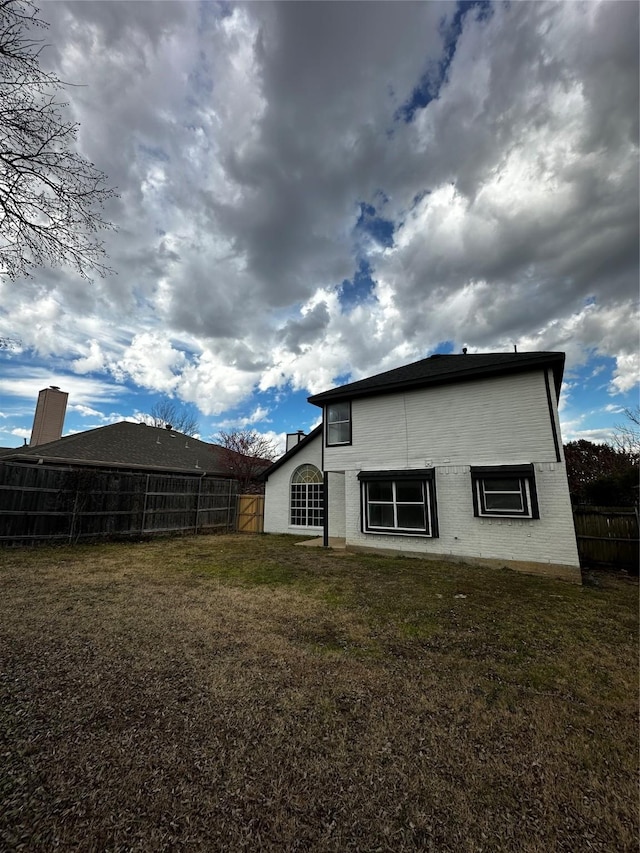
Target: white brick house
pixel 455 455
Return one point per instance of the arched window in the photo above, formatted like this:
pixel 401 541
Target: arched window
pixel 307 490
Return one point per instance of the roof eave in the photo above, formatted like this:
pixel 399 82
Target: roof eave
pixel 264 476
pixel 555 361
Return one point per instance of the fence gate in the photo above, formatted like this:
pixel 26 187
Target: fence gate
pixel 250 513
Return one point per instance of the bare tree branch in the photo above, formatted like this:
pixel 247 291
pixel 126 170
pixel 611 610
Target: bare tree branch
pixel 627 436
pixel 166 413
pixel 51 198
pixel 246 455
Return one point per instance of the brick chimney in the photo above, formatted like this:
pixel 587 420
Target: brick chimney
pixel 49 417
pixel 294 438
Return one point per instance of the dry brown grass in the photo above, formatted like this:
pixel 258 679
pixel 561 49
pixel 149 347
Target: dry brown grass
pixel 239 693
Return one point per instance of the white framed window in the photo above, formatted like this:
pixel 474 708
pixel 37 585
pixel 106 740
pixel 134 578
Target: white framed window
pixel 401 502
pixel 338 423
pixel 504 491
pixel 307 497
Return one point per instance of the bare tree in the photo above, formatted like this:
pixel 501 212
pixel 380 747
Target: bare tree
pixel 246 455
pixel 51 198
pixel 627 435
pixel 166 413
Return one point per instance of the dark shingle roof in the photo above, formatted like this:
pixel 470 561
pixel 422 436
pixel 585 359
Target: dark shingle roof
pixel 131 446
pixel 445 369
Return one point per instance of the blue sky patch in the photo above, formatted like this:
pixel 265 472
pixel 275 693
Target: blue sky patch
pixel 436 73
pixel 377 227
pixel 358 290
pixel 444 348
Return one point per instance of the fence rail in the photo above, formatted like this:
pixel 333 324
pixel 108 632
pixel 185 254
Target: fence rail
pixel 607 536
pixel 49 503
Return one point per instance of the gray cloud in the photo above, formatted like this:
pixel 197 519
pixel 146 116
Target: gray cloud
pixel 243 140
pixel 299 333
pixel 566 225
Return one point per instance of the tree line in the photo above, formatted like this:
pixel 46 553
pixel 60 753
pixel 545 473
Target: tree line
pixel 606 474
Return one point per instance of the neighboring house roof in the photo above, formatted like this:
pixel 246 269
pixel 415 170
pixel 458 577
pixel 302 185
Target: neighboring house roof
pixel 445 369
pixel 291 452
pixel 130 445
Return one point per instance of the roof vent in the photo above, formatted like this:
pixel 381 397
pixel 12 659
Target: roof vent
pixel 168 426
pixel 464 350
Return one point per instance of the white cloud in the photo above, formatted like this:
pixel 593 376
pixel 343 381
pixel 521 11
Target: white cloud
pixel 85 411
pixel 213 384
pixel 21 433
pixel 151 361
pixel 258 415
pixel 603 435
pixel 627 373
pixel 26 383
pixel 93 362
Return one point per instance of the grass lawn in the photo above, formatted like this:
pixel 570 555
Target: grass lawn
pixel 240 693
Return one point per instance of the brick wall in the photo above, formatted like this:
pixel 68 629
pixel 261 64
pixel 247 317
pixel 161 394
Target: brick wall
pixel 495 421
pixel 549 539
pixel 337 504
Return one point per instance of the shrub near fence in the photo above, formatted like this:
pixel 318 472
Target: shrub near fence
pixel 48 503
pixel 607 536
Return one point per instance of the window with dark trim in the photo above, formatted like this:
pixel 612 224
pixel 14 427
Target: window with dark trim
pixel 307 489
pixel 400 502
pixel 338 423
pixel 504 491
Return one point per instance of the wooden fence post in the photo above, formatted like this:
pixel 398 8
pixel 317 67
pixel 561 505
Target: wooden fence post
pixel 144 509
pixel 72 526
pixel 195 529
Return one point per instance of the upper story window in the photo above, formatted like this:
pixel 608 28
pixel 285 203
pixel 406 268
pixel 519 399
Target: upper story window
pixel 338 423
pixel 504 491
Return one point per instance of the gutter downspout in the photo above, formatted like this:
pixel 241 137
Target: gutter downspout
pixel 325 502
pixel 325 491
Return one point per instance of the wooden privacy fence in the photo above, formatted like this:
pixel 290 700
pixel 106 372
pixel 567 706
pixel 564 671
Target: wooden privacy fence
pixel 250 513
pixel 48 503
pixel 607 536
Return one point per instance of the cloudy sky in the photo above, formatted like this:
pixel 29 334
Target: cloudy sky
pixel 314 192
